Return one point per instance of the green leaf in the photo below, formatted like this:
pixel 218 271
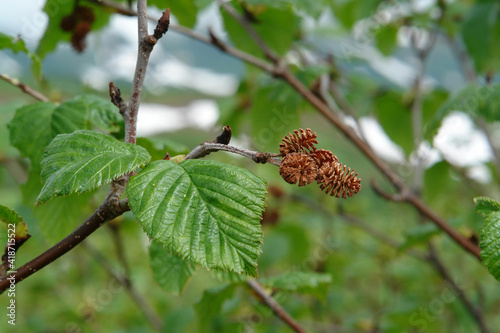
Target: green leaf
pixel 476 100
pixel 386 38
pixel 87 112
pixel 313 8
pixel 84 160
pixel 210 305
pixel 395 118
pixel 348 12
pixel 30 130
pixel 16 44
pixel 171 272
pixel 34 126
pixel 184 10
pixel 278 27
pixel 60 216
pixel 179 320
pixel 418 235
pixel 272 116
pixel 490 234
pixel 205 211
pixel 485 206
pixel 230 276
pixel 481 34
pixel 9 216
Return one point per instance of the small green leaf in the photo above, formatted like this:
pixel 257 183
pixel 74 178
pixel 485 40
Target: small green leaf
pixel 207 212
pixel 272 115
pixel 395 117
pixel 184 10
pixel 386 38
pixel 348 12
pixel 210 305
pixel 475 100
pixel 35 125
pixel 16 44
pixel 171 272
pixel 490 234
pixel 418 235
pixel 481 35
pixel 485 206
pixel 179 320
pixel 84 160
pixel 9 216
pixel 278 27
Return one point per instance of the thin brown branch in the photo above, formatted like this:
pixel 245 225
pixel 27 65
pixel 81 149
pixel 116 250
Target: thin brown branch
pixel 407 196
pixel 416 107
pixel 463 59
pixel 211 39
pixel 258 157
pixel 475 311
pixel 146 44
pixel 114 226
pixel 25 88
pixel 110 208
pixel 274 306
pixel 126 282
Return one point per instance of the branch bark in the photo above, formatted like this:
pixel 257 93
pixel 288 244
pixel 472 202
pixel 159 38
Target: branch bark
pixel 109 209
pixel 146 44
pixel 258 157
pixel 25 88
pixel 274 306
pixel 126 282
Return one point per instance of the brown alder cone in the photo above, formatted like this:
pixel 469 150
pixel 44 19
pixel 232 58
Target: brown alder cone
pixel 85 14
pixel 301 141
pixel 298 167
pixel 324 160
pixel 340 181
pixel 78 37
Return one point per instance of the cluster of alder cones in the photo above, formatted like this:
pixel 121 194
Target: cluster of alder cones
pixel 302 163
pixel 79 23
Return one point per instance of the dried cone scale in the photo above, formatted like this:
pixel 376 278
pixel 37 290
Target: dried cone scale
pixel 303 163
pixel 340 181
pixel 298 168
pixel 301 141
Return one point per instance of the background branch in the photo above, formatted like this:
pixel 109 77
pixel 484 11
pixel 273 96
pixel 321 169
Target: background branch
pixel 126 281
pixel 274 306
